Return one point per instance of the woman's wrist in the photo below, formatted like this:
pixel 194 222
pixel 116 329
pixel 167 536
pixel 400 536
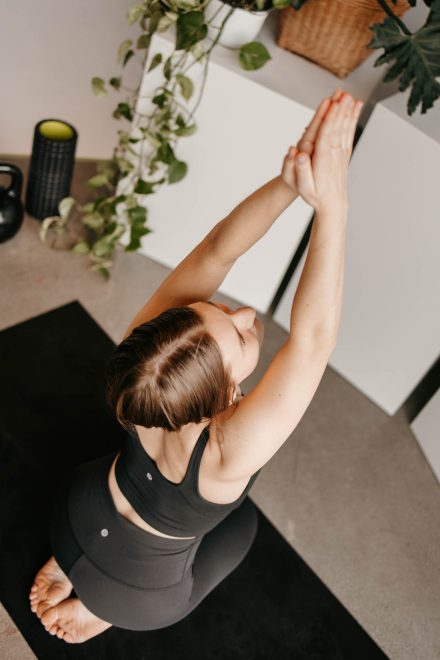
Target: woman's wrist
pixel 286 189
pixel 337 210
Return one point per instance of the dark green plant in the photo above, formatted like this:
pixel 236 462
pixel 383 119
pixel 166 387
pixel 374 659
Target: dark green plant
pixel 108 216
pixel 416 54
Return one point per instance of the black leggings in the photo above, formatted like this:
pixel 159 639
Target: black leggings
pixel 130 577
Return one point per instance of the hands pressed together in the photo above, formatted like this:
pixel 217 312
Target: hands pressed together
pixel 326 144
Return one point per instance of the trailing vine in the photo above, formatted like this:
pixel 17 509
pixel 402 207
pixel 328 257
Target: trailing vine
pixel 145 156
pixel 132 173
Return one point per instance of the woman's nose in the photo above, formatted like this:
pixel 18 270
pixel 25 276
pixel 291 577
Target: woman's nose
pixel 247 314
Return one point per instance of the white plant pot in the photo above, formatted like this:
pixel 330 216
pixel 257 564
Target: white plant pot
pixel 241 27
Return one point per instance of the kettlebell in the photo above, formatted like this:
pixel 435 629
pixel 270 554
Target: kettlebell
pixel 11 208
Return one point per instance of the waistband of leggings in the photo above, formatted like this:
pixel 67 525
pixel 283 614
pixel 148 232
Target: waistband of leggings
pixel 98 470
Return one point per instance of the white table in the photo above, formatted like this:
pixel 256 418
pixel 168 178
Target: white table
pixel 390 324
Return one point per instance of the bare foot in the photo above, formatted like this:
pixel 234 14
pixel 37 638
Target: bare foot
pixel 51 586
pixel 73 622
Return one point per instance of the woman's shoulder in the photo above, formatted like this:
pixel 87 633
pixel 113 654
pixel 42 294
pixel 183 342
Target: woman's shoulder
pixel 213 481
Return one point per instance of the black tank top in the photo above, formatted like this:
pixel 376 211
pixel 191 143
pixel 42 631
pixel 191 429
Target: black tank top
pixel 174 509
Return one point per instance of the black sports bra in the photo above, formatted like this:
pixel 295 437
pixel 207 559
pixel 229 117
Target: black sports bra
pixel 171 508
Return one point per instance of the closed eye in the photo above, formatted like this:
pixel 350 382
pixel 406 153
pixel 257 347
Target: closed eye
pixel 242 339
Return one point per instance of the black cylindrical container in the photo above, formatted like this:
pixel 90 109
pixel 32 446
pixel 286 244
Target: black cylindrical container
pixel 51 167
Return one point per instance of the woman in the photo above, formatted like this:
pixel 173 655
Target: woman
pixel 145 534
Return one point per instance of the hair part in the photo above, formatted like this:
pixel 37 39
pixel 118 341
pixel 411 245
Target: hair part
pixel 167 373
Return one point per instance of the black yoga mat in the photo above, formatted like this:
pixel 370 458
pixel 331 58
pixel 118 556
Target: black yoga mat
pixel 53 417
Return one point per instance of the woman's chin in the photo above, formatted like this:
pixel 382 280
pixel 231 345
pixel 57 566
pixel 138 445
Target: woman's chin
pixel 258 330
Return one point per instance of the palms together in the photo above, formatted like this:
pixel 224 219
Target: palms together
pixel 327 142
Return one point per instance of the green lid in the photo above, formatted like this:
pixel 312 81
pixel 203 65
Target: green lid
pixel 56 130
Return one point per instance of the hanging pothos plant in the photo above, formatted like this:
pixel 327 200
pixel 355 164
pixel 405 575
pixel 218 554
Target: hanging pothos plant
pixel 171 119
pixel 113 212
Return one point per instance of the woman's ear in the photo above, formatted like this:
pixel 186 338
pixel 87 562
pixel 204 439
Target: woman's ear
pixel 233 393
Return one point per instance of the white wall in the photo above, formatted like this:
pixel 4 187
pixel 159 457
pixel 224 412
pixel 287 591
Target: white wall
pixel 426 429
pixel 390 323
pixel 50 50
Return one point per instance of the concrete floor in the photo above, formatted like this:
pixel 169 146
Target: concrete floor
pixel 350 490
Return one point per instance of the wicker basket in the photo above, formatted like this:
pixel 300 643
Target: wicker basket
pixel 333 33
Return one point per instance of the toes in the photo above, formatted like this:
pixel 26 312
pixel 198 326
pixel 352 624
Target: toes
pixel 49 616
pixel 53 630
pixel 60 633
pixel 55 593
pixel 68 638
pixel 43 607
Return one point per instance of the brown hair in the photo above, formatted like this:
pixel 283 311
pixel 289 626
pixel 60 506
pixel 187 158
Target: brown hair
pixel 167 373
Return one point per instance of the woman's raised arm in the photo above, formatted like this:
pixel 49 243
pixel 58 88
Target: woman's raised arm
pixel 202 271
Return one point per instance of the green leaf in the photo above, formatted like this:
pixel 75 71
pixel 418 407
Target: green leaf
pixel 115 82
pixel 98 87
pixel 187 4
pixel 165 21
pixel 417 57
pixel 186 130
pixel 167 68
pixel 157 59
pixel 81 248
pixel 65 207
pixel 155 16
pixel 125 165
pixel 138 216
pixel 88 208
pixel 165 153
pixel 144 187
pixel 135 236
pixel 159 100
pixel 186 85
pixel 253 55
pixel 151 138
pixel 134 13
pixel 113 203
pixel 190 28
pixel 123 110
pixel 99 201
pixel 93 220
pixel 103 247
pixel 198 52
pixel 123 49
pixel 128 55
pixel 144 41
pixel 98 180
pixel 180 120
pixel 177 171
pixel 104 272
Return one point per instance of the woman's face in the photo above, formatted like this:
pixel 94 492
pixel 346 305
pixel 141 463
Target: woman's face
pixel 238 333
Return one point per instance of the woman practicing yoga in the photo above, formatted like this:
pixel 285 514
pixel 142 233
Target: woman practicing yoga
pixel 144 534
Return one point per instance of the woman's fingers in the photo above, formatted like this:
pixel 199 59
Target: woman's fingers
pixel 347 122
pixel 287 170
pixel 327 127
pixel 308 137
pixel 304 178
pixel 337 94
pixel 345 105
pixel 350 125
